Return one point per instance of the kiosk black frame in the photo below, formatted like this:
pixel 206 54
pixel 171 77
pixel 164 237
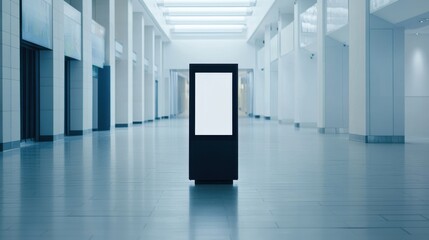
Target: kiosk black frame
pixel 213 159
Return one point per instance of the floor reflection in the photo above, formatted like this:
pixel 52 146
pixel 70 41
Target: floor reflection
pixel 133 184
pixel 212 210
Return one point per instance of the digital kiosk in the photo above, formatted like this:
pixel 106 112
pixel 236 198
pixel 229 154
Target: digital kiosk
pixel 213 123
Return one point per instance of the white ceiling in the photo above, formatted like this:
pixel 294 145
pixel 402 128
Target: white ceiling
pixel 248 19
pixel 206 17
pixel 403 10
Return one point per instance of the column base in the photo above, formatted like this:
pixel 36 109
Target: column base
pixel 376 139
pixel 79 132
pixel 50 138
pixel 286 121
pixel 305 125
pixel 333 130
pixel 9 145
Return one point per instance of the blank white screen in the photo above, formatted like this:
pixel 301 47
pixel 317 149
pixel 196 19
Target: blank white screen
pixel 213 103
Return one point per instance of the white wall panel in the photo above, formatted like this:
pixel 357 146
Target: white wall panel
pixel 416 86
pixel 381 87
pixel 287 39
pixel 274 47
pixel 178 54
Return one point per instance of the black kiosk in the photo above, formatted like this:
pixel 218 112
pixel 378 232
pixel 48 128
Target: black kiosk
pixel 213 123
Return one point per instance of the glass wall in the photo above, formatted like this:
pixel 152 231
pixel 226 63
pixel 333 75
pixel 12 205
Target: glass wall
pixel 379 4
pixel 72 32
pixel 337 14
pixel 308 26
pixel 98 44
pixel 37 22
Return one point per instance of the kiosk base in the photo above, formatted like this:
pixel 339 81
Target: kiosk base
pixel 201 182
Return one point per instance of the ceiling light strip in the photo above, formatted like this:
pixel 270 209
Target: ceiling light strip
pixel 206 3
pixel 207 11
pixel 201 20
pixel 208 28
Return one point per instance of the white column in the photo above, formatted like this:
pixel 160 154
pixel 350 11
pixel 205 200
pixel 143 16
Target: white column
pixel 52 80
pixel 167 86
pixel 281 89
pixel 138 82
pixel 332 78
pixel 297 66
pixel 321 62
pixel 104 14
pixel 149 78
pixel 285 72
pixel 163 83
pixel 359 74
pixel 124 66
pixel 159 76
pixel 10 128
pixel 376 77
pixel 258 83
pixel 305 71
pixel 267 73
pixel 81 76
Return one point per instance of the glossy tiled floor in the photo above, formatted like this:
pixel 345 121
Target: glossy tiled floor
pixel 294 184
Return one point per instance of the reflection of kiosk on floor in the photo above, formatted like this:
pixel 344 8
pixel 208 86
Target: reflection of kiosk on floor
pixel 213 123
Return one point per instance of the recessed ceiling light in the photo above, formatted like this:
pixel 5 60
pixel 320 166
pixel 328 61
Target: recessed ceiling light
pixel 207 16
pixel 208 28
pixel 198 20
pixel 206 3
pixel 424 20
pixel 207 11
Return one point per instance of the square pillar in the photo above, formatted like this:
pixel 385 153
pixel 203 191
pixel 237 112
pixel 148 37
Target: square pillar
pixel 285 73
pixel 10 115
pixel 267 73
pixel 81 82
pixel 376 77
pixel 138 74
pixel 52 80
pixel 305 74
pixel 332 78
pixel 124 66
pixel 162 82
pixel 104 14
pixel 149 79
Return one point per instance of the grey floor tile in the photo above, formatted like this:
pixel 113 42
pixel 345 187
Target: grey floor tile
pixel 404 217
pixel 133 184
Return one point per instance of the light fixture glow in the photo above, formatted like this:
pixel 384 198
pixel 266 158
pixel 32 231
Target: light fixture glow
pixel 211 17
pixel 379 4
pixel 208 28
pixel 424 20
pixel 309 20
pixel 337 14
pixel 206 3
pixel 198 20
pixel 208 11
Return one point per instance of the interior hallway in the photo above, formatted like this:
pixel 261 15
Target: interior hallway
pixel 293 184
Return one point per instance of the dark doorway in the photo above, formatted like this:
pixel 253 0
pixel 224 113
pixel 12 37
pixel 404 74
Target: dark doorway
pixel 29 91
pixel 67 96
pixel 95 113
